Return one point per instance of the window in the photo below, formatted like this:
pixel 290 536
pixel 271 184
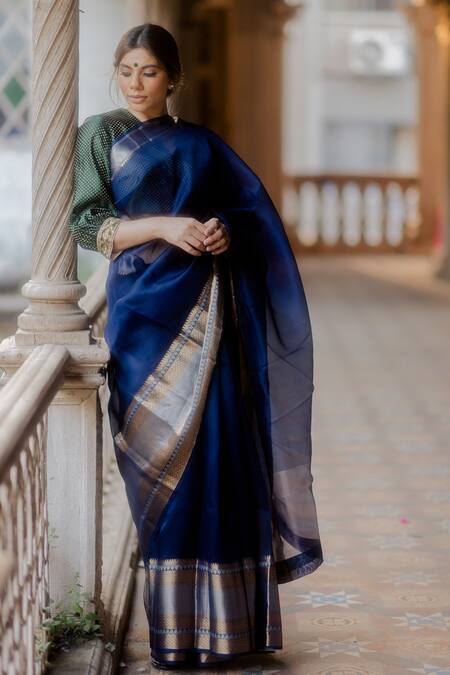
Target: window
pixel 15 58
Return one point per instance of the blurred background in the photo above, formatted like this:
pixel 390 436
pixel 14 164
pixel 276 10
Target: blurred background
pixel 338 105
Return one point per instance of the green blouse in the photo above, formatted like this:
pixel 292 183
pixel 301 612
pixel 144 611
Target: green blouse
pixel 93 219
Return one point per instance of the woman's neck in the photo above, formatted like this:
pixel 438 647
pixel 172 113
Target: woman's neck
pixel 145 115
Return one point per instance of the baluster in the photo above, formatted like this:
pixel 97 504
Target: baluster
pixel 330 213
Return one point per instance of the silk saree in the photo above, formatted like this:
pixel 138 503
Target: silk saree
pixel 211 383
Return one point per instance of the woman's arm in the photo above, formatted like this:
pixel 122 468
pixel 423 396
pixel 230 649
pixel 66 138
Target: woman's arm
pixel 185 232
pixel 95 222
pixel 93 218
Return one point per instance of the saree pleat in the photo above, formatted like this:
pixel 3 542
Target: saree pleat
pixel 210 379
pixel 229 606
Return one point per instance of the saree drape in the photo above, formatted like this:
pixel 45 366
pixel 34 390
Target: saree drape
pixel 211 382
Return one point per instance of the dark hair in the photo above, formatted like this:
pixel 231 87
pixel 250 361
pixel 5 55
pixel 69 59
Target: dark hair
pixel 159 42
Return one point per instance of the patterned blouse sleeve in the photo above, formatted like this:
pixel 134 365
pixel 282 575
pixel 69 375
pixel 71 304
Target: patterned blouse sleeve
pixel 93 220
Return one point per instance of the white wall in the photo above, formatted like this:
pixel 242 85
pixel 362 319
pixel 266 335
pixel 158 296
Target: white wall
pixel 334 118
pixel 102 23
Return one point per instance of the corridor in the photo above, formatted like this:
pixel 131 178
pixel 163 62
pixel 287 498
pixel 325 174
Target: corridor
pixel 380 603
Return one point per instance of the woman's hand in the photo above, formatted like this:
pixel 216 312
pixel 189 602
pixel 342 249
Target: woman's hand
pixel 217 239
pixel 190 234
pixel 196 237
pixel 186 233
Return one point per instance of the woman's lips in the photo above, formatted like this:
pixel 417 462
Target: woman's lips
pixel 137 98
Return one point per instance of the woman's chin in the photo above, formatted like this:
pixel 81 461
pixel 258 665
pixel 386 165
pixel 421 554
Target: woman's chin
pixel 137 103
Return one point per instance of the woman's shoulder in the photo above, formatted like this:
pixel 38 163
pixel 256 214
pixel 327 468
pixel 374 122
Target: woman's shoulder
pixel 204 133
pixel 109 124
pixel 213 138
pixel 197 128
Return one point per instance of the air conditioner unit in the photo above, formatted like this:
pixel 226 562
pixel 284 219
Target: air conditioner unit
pixel 378 52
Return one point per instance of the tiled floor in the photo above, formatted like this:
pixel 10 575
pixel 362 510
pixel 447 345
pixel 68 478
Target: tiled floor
pixel 380 603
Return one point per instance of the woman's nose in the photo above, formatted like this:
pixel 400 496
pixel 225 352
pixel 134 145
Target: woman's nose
pixel 135 83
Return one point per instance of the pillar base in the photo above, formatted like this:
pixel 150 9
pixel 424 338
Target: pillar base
pixel 53 308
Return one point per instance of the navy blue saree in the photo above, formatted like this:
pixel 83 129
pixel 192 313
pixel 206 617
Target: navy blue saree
pixel 211 381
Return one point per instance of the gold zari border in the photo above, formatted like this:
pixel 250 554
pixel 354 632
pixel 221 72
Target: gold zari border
pixel 162 421
pixel 212 606
pixel 106 234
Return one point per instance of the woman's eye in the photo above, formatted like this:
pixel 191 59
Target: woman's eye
pixel 146 74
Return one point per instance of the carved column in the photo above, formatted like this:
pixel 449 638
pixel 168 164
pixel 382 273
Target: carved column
pixel 54 315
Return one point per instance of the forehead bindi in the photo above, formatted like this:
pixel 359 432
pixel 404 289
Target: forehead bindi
pixel 135 64
pixel 140 59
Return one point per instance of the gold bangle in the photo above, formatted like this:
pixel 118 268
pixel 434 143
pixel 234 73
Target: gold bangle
pixel 106 234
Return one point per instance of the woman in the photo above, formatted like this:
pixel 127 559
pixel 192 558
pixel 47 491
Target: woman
pixel 210 372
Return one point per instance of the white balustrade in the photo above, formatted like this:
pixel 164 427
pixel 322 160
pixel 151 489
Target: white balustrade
pixel 345 212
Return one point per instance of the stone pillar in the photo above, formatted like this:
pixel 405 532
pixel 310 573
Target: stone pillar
pixel 302 71
pixel 256 79
pixel 443 35
pixel 433 133
pixel 54 315
pixel 163 12
pixel 74 485
pixel 136 12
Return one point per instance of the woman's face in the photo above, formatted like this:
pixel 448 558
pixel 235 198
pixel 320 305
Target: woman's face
pixel 143 82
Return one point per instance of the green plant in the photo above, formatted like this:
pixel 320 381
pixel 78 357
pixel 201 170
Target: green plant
pixel 68 622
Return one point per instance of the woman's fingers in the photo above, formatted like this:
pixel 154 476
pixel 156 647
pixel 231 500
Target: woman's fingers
pixel 207 228
pixel 211 224
pixel 220 249
pixel 202 229
pixel 210 236
pixel 195 241
pixel 218 241
pixel 216 245
pixel 190 249
pixel 215 236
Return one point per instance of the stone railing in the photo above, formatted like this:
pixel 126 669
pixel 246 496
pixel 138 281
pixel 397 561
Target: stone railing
pixel 24 403
pixel 345 212
pixel 120 552
pixel 31 559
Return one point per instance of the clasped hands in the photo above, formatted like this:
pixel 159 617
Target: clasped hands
pixel 217 239
pixel 196 237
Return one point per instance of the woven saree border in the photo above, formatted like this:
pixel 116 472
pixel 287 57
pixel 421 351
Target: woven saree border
pixel 132 141
pixel 199 393
pixel 174 564
pixel 235 607
pixel 163 419
pixel 299 565
pixel 169 357
pixel 211 633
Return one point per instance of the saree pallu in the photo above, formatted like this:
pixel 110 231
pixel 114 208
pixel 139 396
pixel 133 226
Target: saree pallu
pixel 211 381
